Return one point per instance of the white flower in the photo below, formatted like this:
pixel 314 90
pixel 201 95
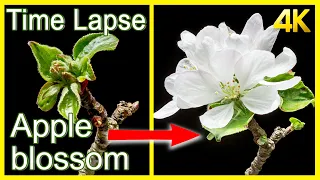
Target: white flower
pixel 201 48
pixel 234 78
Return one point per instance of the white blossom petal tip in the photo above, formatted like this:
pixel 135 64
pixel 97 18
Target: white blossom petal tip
pixel 253 26
pixel 284 62
pixel 167 110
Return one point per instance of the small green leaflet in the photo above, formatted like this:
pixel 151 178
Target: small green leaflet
pixel 296 123
pixel 262 140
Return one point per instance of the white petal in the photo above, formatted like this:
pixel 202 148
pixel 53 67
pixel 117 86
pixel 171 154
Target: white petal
pixel 188 37
pixel 203 53
pixel 284 62
pixel 253 26
pixel 169 83
pixel 261 100
pixel 197 88
pixel 283 85
pixel 182 104
pixel 217 117
pixel 222 64
pixel 276 103
pixel 225 29
pixel 253 67
pixel 185 65
pixel 238 42
pixel 208 31
pixel 218 36
pixel 167 110
pixel 266 39
pixel 187 43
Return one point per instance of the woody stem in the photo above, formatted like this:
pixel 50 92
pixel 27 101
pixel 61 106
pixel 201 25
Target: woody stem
pixel 265 149
pixel 103 123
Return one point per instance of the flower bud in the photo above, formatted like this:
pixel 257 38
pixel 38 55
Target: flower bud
pixel 57 68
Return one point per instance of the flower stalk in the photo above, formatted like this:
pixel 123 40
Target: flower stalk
pixel 103 123
pixel 265 147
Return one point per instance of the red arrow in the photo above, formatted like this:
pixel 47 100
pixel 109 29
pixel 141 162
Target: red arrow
pixel 176 134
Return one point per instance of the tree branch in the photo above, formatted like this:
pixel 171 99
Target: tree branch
pixel 266 148
pixel 103 123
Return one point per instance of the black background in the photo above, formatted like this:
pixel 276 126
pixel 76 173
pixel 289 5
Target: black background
pixel 121 75
pixel 294 154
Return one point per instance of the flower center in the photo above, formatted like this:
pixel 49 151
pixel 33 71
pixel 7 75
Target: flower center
pixel 231 89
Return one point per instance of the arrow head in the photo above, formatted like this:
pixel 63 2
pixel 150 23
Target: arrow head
pixel 180 134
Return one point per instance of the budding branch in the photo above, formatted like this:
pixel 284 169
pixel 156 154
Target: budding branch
pixel 265 149
pixel 100 118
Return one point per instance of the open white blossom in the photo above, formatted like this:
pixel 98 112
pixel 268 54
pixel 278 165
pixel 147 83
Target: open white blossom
pixel 234 78
pixel 209 44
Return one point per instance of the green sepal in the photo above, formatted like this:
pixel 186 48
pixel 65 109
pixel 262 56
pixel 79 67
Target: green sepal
pixel 44 56
pixel 70 101
pixel 48 95
pixel 296 98
pixel 296 123
pixel 213 105
pixel 210 136
pixel 241 117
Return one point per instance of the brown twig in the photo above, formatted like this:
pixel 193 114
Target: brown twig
pixel 103 123
pixel 266 148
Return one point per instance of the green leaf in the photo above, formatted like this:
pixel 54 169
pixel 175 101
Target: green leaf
pixel 296 98
pixel 48 95
pixel 280 77
pixel 241 118
pixel 86 71
pixel 44 55
pixel 64 58
pixel 87 47
pixel 70 101
pixel 296 123
pixel 83 42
